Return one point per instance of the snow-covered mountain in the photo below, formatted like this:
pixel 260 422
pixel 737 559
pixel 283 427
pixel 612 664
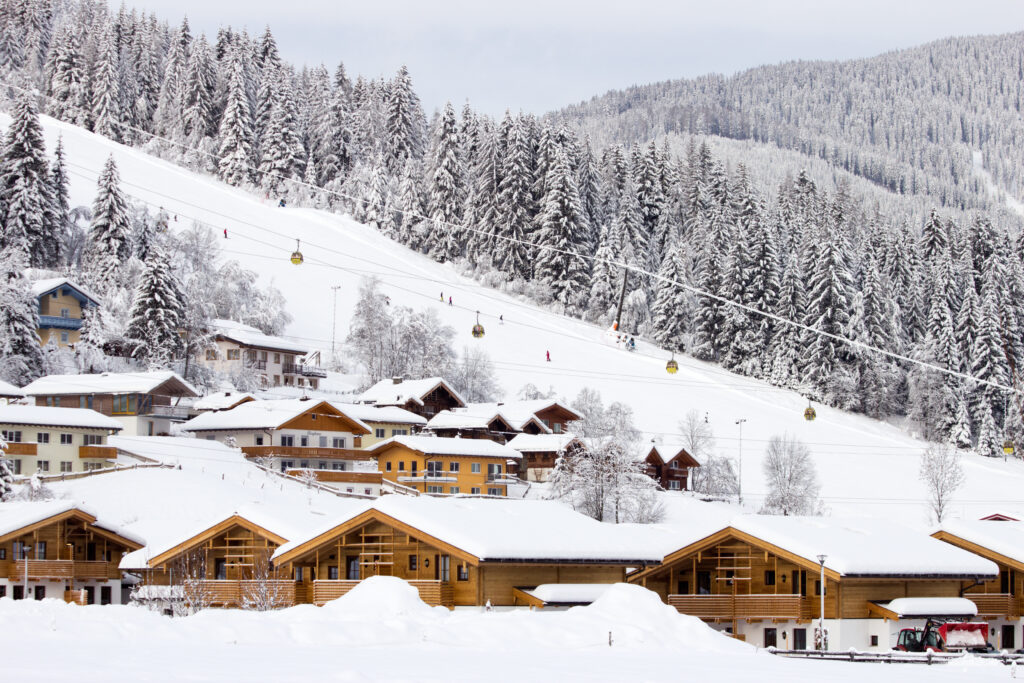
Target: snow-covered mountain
pixel 865 466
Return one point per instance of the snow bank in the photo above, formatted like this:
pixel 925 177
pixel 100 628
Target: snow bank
pixel 381 597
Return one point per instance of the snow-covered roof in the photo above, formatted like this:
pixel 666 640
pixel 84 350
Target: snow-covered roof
pixel 510 530
pixel 568 593
pixel 174 450
pixel 435 445
pixel 84 418
pixel 1004 538
pixel 41 287
pixel 20 514
pixel 518 413
pixel 541 443
pixel 448 419
pixel 222 400
pixel 368 412
pixel 668 450
pixel 247 335
pixel 260 415
pixel 388 392
pixel 108 383
pixel 10 391
pixel 931 607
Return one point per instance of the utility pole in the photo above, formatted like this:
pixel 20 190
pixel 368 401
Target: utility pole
pixel 622 300
pixel 334 320
pixel 740 480
pixel 821 615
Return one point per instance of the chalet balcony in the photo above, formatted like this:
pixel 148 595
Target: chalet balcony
pixel 730 607
pixel 172 412
pixel 343 476
pixel 433 593
pixel 307 452
pixel 996 605
pixel 304 370
pixel 502 479
pixel 429 477
pixel 62 570
pixel 105 452
pixel 59 322
pixel 236 593
pixel 22 449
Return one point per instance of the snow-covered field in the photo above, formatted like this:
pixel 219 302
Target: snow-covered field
pixel 380 631
pixel 865 467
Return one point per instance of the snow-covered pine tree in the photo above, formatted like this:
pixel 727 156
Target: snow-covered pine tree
pixel 157 313
pixel 605 279
pixel 786 348
pixel 6 473
pixel 66 85
pixel 515 204
pixel 934 238
pixel 26 202
pixel 106 89
pixel 61 205
pixel 710 315
pixel 563 231
pixel 377 210
pixel 197 100
pixel 21 355
pixel 236 135
pixel 169 105
pixel 410 206
pixel 481 208
pixel 108 243
pixel 671 305
pixel 988 363
pixel 444 206
pixel 404 136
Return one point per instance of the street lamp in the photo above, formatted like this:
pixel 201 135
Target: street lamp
pixel 334 319
pixel 739 485
pixel 821 615
pixel 25 550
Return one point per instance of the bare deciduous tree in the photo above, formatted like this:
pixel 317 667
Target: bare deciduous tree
pixel 792 479
pixel 942 475
pixel 189 572
pixel 262 590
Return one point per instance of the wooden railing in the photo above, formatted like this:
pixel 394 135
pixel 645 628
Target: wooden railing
pixel 235 593
pixel 431 592
pixel 21 448
pixel 995 604
pixel 79 597
pixel 306 452
pixel 62 569
pixel 342 476
pixel 766 606
pixel 105 452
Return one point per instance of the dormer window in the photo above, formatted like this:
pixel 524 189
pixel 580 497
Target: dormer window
pixel 65 313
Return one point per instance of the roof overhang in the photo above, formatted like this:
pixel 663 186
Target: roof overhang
pixel 978 549
pixel 76 514
pixel 207 534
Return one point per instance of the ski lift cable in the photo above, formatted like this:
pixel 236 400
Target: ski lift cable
pixel 625 266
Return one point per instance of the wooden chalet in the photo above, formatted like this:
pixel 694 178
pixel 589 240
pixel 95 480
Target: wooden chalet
pixel 59 550
pixel 289 434
pixel 541 451
pixel 537 416
pixel 669 465
pixel 760 578
pixel 426 397
pixel 461 552
pixel 1000 600
pixel 462 424
pixel 224 565
pixel 438 465
pixel 62 307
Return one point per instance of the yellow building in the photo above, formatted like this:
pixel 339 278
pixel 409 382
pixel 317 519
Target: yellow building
pixel 62 306
pixel 449 466
pixel 57 440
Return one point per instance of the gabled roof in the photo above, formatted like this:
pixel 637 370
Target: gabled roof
pixel 667 452
pixel 436 445
pixel 542 443
pixel 82 418
pixel 18 518
pixel 998 541
pixel 388 392
pixel 163 382
pixel 44 287
pixel 269 415
pixel 518 413
pixel 369 413
pixel 457 419
pixel 530 531
pixel 222 400
pixel 10 391
pixel 247 335
pixel 854 547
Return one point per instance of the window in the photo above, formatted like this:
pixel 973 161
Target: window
pixel 332 573
pixel 453 467
pixel 312 416
pixel 770 637
pixel 56 401
pixel 12 437
pixel 40 550
pixel 85 402
pixel 493 470
pixel 435 468
pixel 17 466
pixel 263 356
pixel 475 491
pixel 674 465
pixel 413 466
pixel 43 437
pixel 817 587
pixel 412 563
pixel 304 464
pixel 874 641
pixel 298 573
pixel 379 432
pixel 92 439
pixel 453 489
pixel 210 437
pixel 287 440
pixel 799 639
pixel 367 492
pixel 557 428
pixel 91 466
pixel 435 489
pixel 352 571
pixel 387 466
pixel 106 595
pixel 63 337
pixel 349 489
pixel 338 442
pixel 277 358
pixel 475 468
pixel 399 432
pixel 673 485
pixel 493 491
pixel 3 553
pixel 703 583
pixel 211 354
pixel 287 465
pixel 67 439
pixel 124 403
pixel 43 466
pixel 444 565
pixel 338 466
pixel 304 441
pixel 236 354
pixel 323 442
pixel 259 440
pixel 322 465
pixel 401 466
pixel 65 465
pixel 463 572
pixel 769 577
pixel 65 313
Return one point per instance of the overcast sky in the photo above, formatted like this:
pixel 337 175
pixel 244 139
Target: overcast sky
pixel 539 55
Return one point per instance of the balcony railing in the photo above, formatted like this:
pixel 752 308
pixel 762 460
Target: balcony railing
pixel 300 369
pixel 22 449
pixel 173 412
pixel 235 593
pixel 996 604
pixel 305 452
pixel 727 607
pixel 59 322
pixel 105 452
pixel 502 479
pixel 441 477
pixel 62 569
pixel 256 364
pixel 433 593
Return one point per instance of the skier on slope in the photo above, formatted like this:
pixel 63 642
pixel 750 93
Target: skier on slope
pixel 549 355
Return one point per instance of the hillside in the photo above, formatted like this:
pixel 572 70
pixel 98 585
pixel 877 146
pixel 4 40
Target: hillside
pixel 866 466
pixel 909 120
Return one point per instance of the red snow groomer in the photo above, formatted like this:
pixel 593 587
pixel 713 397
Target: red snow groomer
pixel 940 635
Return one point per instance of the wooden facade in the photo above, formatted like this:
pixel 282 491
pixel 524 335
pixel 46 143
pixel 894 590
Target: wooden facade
pixel 1001 598
pixel 376 544
pixel 556 417
pixel 62 308
pixel 670 467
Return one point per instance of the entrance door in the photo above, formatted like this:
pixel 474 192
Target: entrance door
pixel 90 552
pixel 105 595
pixel 703 583
pixel 352 568
pixel 799 639
pixel 770 637
pixel 799 582
pixel 1007 637
pixel 220 569
pixel 90 595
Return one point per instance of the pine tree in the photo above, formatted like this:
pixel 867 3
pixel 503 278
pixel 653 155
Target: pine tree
pixel 236 138
pixel 404 134
pixel 197 116
pixel 786 350
pixel 711 313
pixel 671 307
pixel 6 473
pixel 988 363
pixel 515 202
pixel 564 230
pixel 934 238
pixel 26 202
pixel 108 241
pixel 411 207
pixel 377 212
pixel 157 313
pixel 603 285
pixel 61 210
pixel 67 77
pixel 169 104
pixel 444 206
pixel 21 355
pixel 106 90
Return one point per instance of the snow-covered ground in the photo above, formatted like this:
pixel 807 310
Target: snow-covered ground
pixel 380 631
pixel 865 466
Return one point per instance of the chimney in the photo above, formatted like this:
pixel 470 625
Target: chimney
pixel 396 380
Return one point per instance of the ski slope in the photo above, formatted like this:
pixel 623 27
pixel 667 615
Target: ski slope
pixel 865 466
